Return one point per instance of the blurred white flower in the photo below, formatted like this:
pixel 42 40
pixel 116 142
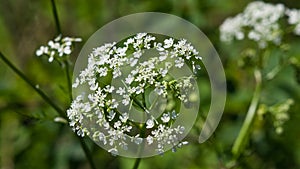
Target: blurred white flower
pixel 232 28
pixel 258 22
pixel 58 47
pixel 294 19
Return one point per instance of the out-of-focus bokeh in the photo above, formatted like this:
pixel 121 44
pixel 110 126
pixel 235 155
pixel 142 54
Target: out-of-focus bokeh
pixel 30 139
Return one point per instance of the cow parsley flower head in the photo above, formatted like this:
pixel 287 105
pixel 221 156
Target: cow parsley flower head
pixel 294 19
pixel 57 48
pixel 258 22
pixel 232 29
pixel 129 93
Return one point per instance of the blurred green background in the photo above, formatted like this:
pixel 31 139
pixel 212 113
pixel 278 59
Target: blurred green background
pixel 30 139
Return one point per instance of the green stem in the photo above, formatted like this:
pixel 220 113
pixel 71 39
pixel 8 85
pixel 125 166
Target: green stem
pixel 242 138
pixel 54 11
pixel 141 149
pixel 49 101
pixel 69 81
pixel 33 86
pixel 137 163
pixel 83 144
pixel 139 104
pixel 87 152
pixel 142 133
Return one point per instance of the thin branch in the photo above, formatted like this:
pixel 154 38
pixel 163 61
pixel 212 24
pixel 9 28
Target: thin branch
pixel 33 86
pixel 54 11
pixel 87 152
pixel 69 80
pixel 143 130
pixel 69 83
pixel 83 144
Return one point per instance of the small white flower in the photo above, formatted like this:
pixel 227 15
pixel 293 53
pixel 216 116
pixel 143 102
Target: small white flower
pixel 124 117
pixel 114 104
pixel 195 68
pixel 149 124
pixel 138 140
pixel 182 144
pixel 165 117
pixel 140 35
pixel 116 73
pixel 106 125
pixel 129 41
pixel 139 89
pixel 113 151
pixel 198 57
pixel 163 56
pixel 117 124
pixel 42 50
pixel 121 91
pixel 102 71
pixel 159 89
pixel 76 39
pixel 149 139
pixel 102 138
pixel 179 62
pixel 131 90
pixel 129 79
pixel 111 115
pixel 294 16
pixel 67 50
pixel 174 115
pixel 109 89
pixel 158 47
pixel 51 58
pixel 58 38
pixel 133 62
pixel 57 47
pixel 168 43
pixel 126 100
pixel 294 19
pixel 137 54
pixel 163 72
pixel 149 38
pixel 122 51
pixel 94 86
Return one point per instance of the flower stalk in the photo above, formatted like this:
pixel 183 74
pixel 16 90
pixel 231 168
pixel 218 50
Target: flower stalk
pixel 55 15
pixel 69 79
pixel 69 83
pixel 33 86
pixel 48 100
pixel 137 163
pixel 245 131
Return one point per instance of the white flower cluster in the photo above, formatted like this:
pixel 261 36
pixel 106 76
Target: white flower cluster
pixel 100 113
pixel 294 19
pixel 57 47
pixel 258 22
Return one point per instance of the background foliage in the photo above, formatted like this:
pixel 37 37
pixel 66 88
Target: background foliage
pixel 29 137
